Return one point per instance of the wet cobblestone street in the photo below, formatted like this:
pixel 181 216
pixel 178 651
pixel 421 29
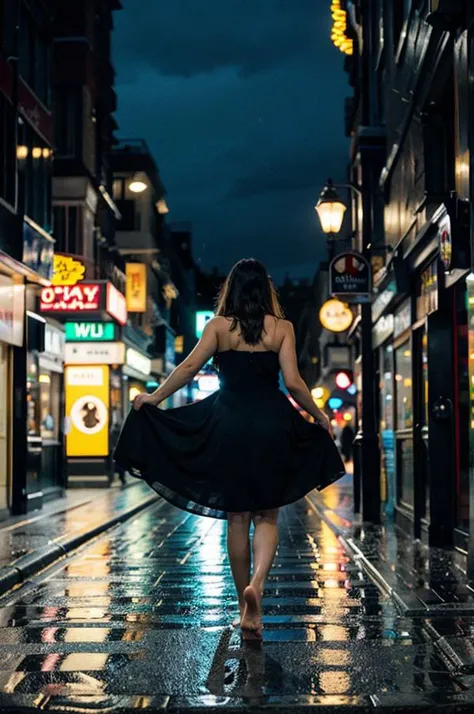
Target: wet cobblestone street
pixel 141 619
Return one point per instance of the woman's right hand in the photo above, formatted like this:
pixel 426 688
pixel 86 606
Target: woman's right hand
pixel 142 399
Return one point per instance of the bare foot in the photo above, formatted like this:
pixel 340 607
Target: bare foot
pixel 238 620
pixel 251 622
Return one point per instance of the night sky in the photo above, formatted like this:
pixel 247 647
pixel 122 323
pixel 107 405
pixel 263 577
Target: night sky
pixel 242 105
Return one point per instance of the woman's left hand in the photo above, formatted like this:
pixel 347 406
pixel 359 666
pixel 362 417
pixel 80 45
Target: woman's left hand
pixel 142 399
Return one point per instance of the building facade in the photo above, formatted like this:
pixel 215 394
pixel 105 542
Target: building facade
pixel 411 116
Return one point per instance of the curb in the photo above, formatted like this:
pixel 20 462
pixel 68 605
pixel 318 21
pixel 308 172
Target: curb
pixel 33 563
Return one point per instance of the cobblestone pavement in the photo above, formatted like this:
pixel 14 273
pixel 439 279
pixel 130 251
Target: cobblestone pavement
pixel 141 619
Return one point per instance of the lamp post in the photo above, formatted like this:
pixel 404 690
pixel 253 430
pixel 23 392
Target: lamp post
pixel 330 210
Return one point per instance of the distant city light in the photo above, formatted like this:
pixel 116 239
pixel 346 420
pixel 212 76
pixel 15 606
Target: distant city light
pixel 335 403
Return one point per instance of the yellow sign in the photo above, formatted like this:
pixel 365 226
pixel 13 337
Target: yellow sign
pixel 335 316
pixel 339 35
pixel 87 410
pixel 67 271
pixel 136 287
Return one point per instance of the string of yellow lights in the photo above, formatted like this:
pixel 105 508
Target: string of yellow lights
pixel 339 28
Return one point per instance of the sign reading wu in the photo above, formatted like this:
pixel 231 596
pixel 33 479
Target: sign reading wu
pixel 350 277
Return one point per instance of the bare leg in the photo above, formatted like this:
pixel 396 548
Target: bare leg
pixel 238 548
pixel 265 543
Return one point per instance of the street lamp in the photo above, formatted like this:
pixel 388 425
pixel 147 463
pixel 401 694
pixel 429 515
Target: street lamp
pixel 137 185
pixel 330 209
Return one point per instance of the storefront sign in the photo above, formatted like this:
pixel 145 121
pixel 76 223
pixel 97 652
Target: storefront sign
pixel 38 250
pixel 402 319
pixel 137 361
pixel 34 112
pixel 77 298
pixel 202 318
pixel 12 311
pixel 87 410
pixel 85 298
pixel 427 301
pixel 90 331
pixel 116 304
pixel 335 316
pixel 350 277
pixel 445 241
pixel 383 300
pixel 67 270
pixel 95 353
pixel 382 330
pixel 136 287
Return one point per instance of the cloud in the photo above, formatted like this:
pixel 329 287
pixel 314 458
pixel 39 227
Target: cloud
pixel 242 106
pixel 189 37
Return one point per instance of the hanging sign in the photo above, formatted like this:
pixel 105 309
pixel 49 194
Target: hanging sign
pixel 445 241
pixel 116 304
pixel 350 277
pixel 335 316
pixel 138 361
pixel 12 311
pixel 90 331
pixel 76 298
pixel 67 270
pixel 136 287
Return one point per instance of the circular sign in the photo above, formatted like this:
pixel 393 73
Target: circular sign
pixel 335 316
pixel 89 414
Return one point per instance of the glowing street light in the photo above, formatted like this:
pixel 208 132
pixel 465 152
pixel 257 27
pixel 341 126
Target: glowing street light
pixel 137 185
pixel 330 209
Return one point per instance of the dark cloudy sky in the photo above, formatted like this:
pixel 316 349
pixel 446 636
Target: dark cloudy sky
pixel 241 103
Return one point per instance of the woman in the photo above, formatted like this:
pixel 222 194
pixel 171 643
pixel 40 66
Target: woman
pixel 245 451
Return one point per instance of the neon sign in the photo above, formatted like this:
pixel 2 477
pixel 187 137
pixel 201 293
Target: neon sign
pixel 71 298
pixel 116 304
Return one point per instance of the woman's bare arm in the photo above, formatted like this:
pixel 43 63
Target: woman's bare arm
pixel 293 379
pixel 186 371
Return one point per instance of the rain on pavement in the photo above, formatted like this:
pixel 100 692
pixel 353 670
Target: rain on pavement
pixel 142 618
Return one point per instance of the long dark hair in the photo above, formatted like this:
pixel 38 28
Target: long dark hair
pixel 247 296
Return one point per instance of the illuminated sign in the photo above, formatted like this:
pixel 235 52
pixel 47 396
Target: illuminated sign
pixel 77 298
pixel 67 270
pixel 90 331
pixel 12 311
pixel 87 409
pixel 136 287
pixel 208 383
pixel 54 341
pixel 116 304
pixel 202 318
pixel 95 353
pixel 335 316
pixel 85 298
pixel 350 277
pixel 137 361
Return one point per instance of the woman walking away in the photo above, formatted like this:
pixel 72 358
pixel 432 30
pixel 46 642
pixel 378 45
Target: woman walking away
pixel 245 451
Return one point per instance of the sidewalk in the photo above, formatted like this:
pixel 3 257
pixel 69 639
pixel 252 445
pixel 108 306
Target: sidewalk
pixel 426 583
pixel 30 543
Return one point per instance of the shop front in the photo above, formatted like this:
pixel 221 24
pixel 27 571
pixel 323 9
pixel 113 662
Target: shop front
pixel 12 315
pixel 51 410
pixel 91 401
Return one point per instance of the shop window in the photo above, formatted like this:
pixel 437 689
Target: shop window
pixel 404 383
pixel 50 391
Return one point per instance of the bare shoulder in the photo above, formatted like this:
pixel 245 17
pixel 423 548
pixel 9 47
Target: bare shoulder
pixel 219 324
pixel 286 327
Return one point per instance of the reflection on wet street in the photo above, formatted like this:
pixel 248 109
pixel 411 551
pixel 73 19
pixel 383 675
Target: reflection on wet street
pixel 142 619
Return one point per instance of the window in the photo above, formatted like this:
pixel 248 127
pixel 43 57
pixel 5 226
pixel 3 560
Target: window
pixel 35 57
pixel 49 384
pixel 68 122
pixel 403 378
pixel 68 228
pixel 7 151
pixel 35 173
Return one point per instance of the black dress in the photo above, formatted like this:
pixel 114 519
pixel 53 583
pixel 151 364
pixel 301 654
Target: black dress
pixel 244 448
